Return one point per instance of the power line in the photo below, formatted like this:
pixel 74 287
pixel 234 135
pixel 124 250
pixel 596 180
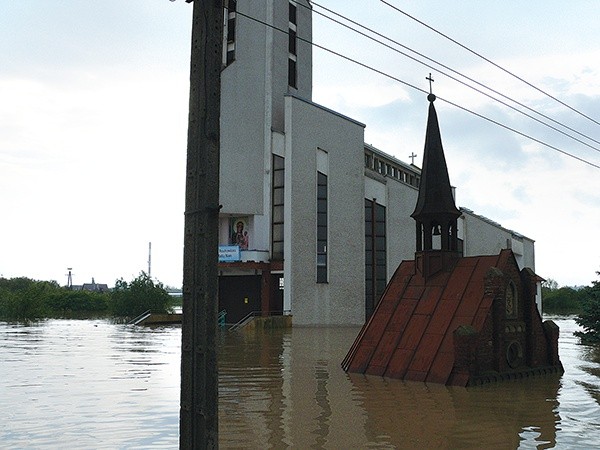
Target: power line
pixel 454 78
pixel 380 72
pixel 489 61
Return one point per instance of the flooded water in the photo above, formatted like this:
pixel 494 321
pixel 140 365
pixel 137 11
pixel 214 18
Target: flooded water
pixel 98 385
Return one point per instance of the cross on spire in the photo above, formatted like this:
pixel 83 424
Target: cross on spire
pixel 431 80
pixel 412 157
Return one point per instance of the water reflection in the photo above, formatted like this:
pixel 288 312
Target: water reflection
pixel 93 384
pixel 314 404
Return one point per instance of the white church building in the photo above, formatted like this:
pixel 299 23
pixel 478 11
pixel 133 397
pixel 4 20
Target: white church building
pixel 314 222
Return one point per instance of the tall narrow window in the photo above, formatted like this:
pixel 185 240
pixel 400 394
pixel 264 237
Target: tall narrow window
pixel 292 47
pixel 293 16
pixel 277 210
pixel 321 228
pixel 229 32
pixel 292 42
pixel 292 73
pixel 375 254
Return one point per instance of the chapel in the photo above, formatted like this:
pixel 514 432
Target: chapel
pixel 449 319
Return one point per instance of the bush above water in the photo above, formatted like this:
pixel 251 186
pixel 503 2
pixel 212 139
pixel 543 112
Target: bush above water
pixel 23 299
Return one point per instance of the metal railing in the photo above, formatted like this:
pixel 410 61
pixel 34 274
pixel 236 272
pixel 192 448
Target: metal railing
pixel 221 318
pixel 143 316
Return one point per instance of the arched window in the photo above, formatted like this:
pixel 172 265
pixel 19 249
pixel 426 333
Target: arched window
pixel 511 298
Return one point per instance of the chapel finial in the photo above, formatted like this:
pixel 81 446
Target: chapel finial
pixel 430 97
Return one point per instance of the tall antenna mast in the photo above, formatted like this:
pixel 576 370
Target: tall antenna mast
pixel 149 259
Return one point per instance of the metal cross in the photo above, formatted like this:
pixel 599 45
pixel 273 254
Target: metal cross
pixel 412 157
pixel 431 80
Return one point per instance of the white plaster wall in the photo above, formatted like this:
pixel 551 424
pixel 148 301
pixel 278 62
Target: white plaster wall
pixel 401 238
pixel 484 238
pixel 341 300
pixel 279 62
pixel 252 100
pixel 529 253
pixel 376 189
pixel 243 117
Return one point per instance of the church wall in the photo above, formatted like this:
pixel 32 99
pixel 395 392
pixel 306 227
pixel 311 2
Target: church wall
pixel 244 118
pixel 257 121
pixel 512 323
pixel 278 65
pixel 484 237
pixel 401 227
pixel 319 139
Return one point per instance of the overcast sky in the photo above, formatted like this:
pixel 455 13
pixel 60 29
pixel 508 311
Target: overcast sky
pixel 93 120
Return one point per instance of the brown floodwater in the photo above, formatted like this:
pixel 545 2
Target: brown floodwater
pixel 94 384
pixel 285 389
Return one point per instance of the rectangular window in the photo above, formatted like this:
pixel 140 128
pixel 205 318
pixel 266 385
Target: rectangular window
pixel 230 57
pixel 292 74
pixel 292 42
pixel 321 228
pixel 375 254
pixel 293 17
pixel 229 32
pixel 231 29
pixel 277 208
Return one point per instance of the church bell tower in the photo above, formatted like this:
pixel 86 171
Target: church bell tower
pixel 436 214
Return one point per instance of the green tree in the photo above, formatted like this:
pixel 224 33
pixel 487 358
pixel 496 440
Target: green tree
pixel 22 299
pixel 564 300
pixel 65 302
pixel 589 318
pixel 142 294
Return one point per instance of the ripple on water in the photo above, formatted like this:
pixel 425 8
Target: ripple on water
pixel 95 384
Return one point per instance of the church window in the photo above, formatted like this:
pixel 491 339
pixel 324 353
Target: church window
pixel 277 208
pixel 229 32
pixel 322 230
pixel 292 47
pixel 293 15
pixel 292 73
pixel 292 42
pixel 511 298
pixel 375 254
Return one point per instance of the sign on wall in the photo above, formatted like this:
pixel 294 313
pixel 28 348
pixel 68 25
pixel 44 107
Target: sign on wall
pixel 229 253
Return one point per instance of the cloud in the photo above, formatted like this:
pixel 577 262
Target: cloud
pixel 100 167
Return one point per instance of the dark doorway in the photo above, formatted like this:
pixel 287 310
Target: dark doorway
pixel 239 296
pixel 276 299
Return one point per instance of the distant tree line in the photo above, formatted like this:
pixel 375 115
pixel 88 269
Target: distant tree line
pixel 24 299
pixel 564 300
pixel 584 302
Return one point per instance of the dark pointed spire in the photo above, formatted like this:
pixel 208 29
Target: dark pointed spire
pixel 435 214
pixel 435 192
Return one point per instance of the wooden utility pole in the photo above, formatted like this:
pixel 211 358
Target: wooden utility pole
pixel 199 377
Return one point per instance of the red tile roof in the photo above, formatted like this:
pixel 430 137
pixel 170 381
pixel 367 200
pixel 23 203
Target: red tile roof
pixel 410 334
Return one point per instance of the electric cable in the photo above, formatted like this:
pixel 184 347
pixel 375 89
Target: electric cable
pixel 490 61
pixel 454 78
pixel 380 72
